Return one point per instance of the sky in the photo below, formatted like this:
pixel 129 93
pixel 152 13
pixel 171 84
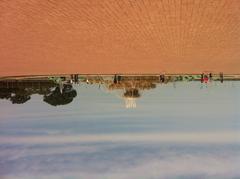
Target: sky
pixel 181 131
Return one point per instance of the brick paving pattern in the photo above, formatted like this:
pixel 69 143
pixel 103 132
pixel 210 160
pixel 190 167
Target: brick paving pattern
pixel 119 36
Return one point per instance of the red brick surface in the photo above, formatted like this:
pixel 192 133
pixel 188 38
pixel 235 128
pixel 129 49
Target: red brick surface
pixel 119 36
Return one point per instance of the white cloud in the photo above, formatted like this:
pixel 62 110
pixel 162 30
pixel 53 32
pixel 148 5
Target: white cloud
pixel 120 160
pixel 195 137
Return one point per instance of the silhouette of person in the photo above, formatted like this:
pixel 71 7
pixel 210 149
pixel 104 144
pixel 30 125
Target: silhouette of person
pixel 115 79
pixel 210 76
pixel 162 78
pixel 202 75
pixel 221 77
pixel 76 78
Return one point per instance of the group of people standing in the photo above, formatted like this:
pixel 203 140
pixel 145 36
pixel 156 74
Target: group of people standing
pixel 74 78
pixel 207 77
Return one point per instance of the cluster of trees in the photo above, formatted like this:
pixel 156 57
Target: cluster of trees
pixel 15 95
pixel 51 95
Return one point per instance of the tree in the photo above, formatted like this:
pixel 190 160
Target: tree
pixel 21 96
pixel 56 98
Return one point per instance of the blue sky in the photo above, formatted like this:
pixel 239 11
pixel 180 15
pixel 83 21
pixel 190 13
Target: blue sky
pixel 173 133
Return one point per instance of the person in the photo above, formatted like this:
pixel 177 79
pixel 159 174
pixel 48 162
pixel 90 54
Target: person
pixel 76 78
pixel 210 76
pixel 115 79
pixel 162 78
pixel 205 79
pixel 202 75
pixel 221 77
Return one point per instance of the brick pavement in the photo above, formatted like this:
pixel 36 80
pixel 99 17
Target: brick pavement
pixel 119 36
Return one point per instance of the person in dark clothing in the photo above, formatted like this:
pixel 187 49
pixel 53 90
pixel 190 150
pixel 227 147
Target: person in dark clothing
pixel 202 77
pixel 221 77
pixel 115 79
pixel 210 76
pixel 76 78
pixel 162 78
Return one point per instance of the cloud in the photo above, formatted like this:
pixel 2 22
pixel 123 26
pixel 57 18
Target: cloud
pixel 195 137
pixel 120 160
